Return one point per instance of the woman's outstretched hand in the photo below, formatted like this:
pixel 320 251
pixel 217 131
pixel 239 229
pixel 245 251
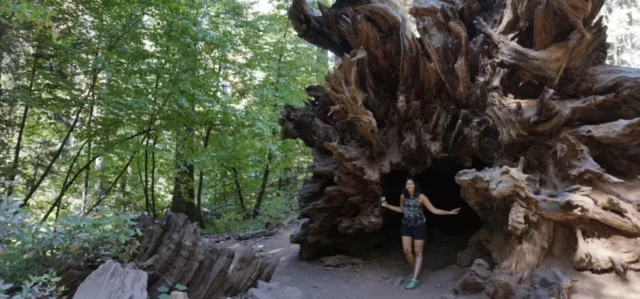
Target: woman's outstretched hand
pixel 455 211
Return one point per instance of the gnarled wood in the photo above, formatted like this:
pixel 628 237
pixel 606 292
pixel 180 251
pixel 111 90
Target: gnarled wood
pixel 520 86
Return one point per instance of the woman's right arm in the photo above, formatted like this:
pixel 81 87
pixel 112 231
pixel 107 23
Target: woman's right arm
pixel 399 209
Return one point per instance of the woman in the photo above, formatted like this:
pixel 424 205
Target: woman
pixel 414 226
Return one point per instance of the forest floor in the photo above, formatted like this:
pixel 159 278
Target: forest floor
pixel 379 275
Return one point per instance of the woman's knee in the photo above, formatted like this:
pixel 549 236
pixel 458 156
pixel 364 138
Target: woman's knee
pixel 407 251
pixel 418 251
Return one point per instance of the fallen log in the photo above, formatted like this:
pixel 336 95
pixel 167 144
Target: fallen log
pixel 172 252
pixel 255 234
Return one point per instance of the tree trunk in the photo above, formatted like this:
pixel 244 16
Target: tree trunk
pixel 146 172
pixel 153 178
pixel 236 180
pixel 263 186
pixel 16 155
pixel 23 123
pixel 147 205
pixel 517 87
pixel 172 252
pixel 122 173
pixel 183 200
pixel 201 179
pixel 85 186
pixel 57 154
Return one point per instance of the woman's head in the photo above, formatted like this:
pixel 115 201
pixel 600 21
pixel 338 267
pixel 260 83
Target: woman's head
pixel 410 188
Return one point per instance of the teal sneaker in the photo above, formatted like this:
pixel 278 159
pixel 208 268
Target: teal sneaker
pixel 412 284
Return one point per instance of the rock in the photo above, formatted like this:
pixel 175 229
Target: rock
pixel 481 268
pixel 474 280
pixel 469 284
pixel 502 289
pixel 550 283
pixel 274 290
pixel 476 248
pixel 272 224
pixel 111 280
pixel 340 261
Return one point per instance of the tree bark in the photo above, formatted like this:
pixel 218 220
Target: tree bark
pixel 146 173
pixel 85 186
pixel 263 186
pixel 520 86
pixel 23 123
pixel 201 179
pixel 236 180
pixel 146 199
pixel 183 199
pixel 153 178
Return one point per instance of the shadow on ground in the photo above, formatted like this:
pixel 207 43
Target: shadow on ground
pixel 380 271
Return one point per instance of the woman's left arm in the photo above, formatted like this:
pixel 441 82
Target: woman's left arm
pixel 425 201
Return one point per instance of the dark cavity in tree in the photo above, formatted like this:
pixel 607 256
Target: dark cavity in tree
pixel 451 232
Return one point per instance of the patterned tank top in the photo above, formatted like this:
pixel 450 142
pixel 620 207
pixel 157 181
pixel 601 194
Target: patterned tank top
pixel 413 215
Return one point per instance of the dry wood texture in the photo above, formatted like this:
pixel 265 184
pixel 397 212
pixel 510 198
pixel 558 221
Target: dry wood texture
pixel 519 85
pixel 173 252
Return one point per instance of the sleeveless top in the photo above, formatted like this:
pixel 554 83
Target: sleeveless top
pixel 413 215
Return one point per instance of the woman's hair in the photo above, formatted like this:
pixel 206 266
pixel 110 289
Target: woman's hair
pixel 416 191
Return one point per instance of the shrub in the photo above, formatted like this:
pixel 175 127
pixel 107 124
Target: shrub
pixel 28 247
pixel 36 287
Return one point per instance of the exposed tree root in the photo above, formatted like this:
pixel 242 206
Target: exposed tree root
pixel 520 86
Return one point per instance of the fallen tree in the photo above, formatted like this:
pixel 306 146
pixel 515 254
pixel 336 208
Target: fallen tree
pixel 513 96
pixel 173 253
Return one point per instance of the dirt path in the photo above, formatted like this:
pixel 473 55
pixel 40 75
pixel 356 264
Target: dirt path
pixel 376 276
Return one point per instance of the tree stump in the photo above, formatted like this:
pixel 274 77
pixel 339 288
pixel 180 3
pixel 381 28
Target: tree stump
pixel 513 96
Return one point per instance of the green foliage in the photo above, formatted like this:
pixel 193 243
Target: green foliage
pixel 280 209
pixel 141 77
pixel 29 247
pixel 36 287
pixel 105 105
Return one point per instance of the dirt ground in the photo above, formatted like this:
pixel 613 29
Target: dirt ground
pixel 379 275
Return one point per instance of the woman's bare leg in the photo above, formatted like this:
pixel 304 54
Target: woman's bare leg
pixel 418 246
pixel 408 253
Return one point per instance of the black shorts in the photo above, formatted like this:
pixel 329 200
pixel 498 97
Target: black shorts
pixel 416 232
